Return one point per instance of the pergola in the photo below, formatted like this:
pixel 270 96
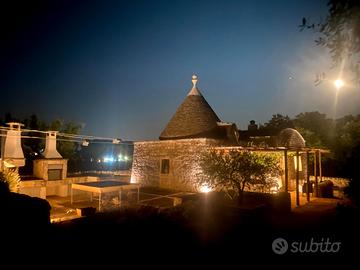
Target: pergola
pixel 102 187
pixel 317 152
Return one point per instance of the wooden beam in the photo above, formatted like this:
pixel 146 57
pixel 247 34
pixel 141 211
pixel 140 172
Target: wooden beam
pixel 297 179
pixel 3 135
pixel 286 171
pixel 320 167
pixel 307 176
pixel 270 149
pixel 315 174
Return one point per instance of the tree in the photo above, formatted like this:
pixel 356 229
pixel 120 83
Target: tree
pixel 277 123
pixel 32 145
pixel 347 155
pixel 315 128
pixel 347 146
pixel 234 171
pixel 340 33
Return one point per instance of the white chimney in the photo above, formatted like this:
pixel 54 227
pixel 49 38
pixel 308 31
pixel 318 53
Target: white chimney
pixel 50 145
pixel 13 152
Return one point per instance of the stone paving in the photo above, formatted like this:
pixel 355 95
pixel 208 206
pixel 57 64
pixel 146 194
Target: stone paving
pixel 315 203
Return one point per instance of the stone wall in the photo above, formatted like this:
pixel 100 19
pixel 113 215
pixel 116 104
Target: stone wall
pixel 182 155
pixel 33 188
pixel 339 184
pixel 44 188
pixel 62 188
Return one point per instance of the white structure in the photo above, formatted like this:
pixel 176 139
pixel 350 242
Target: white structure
pixel 50 145
pixel 13 154
pixel 52 166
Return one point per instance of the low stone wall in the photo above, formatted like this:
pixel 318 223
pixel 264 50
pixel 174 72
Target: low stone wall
pixel 33 188
pixel 44 188
pixel 339 184
pixel 62 188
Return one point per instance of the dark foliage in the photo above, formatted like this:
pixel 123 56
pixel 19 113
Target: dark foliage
pixel 340 33
pixel 22 217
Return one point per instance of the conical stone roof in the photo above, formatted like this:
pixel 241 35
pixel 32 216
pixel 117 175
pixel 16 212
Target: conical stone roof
pixel 193 119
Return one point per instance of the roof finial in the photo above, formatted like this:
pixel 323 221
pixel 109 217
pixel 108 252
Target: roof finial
pixel 194 80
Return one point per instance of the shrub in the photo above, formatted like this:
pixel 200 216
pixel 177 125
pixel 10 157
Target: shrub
pixel 11 179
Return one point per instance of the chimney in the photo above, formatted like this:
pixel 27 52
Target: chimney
pixel 13 152
pixel 252 126
pixel 50 146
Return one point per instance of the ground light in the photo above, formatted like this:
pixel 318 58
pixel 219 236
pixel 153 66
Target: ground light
pixel 205 189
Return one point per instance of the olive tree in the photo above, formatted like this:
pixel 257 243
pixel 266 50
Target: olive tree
pixel 340 33
pixel 234 171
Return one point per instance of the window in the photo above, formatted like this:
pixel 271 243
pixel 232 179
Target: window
pixel 165 166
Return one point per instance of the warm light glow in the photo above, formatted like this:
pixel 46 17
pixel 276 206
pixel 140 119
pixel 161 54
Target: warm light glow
pixel 295 163
pixel 205 189
pixel 277 184
pixel 85 143
pixel 132 180
pixel 339 83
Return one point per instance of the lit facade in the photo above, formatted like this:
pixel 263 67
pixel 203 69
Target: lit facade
pixel 172 161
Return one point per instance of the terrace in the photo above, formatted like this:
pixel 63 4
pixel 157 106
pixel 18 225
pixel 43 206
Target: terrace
pixel 85 202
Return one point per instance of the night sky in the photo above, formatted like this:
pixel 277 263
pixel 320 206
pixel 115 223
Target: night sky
pixel 123 67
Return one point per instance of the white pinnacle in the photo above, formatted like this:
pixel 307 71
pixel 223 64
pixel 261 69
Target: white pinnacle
pixel 194 91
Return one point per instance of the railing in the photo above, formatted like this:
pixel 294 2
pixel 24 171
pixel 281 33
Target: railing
pixel 118 172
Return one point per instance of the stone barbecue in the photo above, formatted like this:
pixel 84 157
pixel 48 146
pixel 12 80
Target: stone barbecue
pixel 52 166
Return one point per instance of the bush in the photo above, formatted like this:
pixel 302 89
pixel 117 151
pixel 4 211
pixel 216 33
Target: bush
pixel 326 189
pixel 10 179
